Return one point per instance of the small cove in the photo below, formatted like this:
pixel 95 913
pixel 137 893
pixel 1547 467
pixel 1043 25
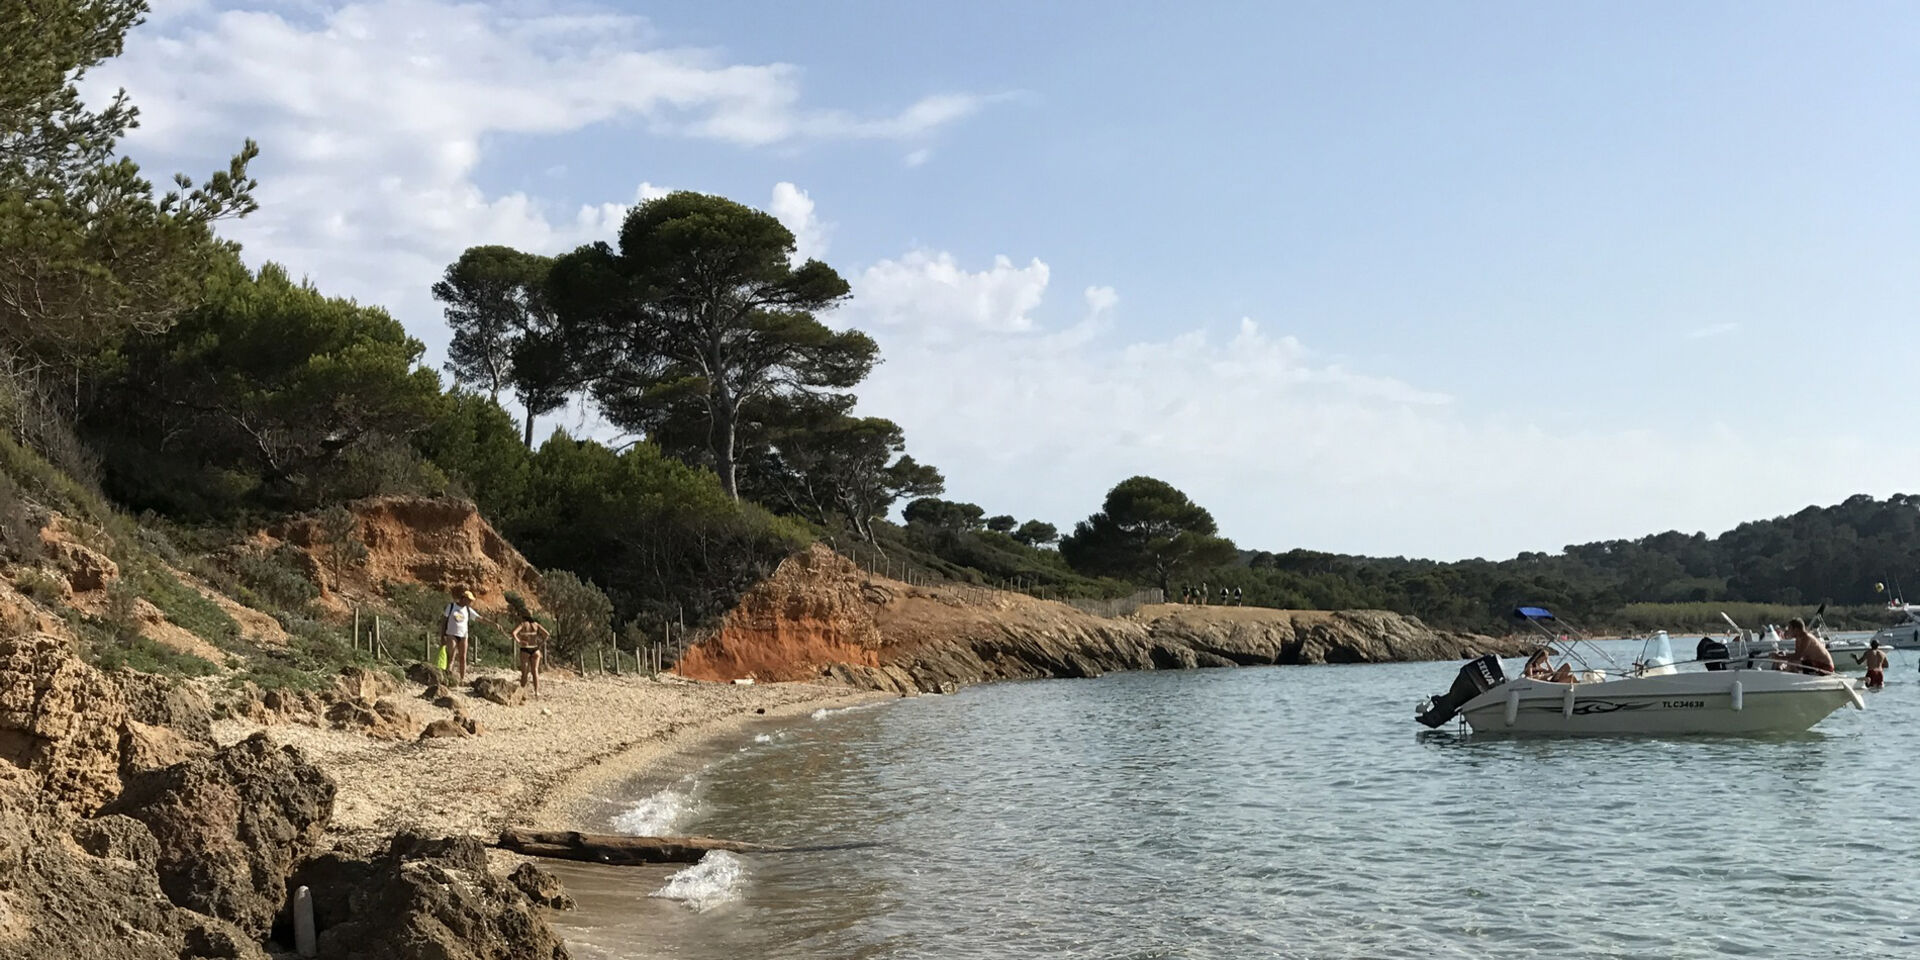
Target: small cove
pixel 1293 812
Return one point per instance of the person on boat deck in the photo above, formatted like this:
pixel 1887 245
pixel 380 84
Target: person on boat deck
pixel 1538 668
pixel 1876 666
pixel 1809 654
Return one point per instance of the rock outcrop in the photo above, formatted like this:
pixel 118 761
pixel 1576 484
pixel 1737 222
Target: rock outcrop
pixel 507 693
pixel 821 615
pixel 438 543
pixel 423 897
pixel 60 720
pixel 231 827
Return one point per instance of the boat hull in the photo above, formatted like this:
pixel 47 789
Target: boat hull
pixel 1724 702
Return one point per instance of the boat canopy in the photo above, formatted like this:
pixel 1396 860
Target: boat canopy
pixel 1532 613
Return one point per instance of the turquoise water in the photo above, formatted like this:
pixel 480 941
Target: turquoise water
pixel 1273 812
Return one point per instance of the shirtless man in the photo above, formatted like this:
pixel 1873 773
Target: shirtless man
pixel 1809 654
pixel 1876 666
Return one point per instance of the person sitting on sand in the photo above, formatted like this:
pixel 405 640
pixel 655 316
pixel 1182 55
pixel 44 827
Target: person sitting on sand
pixel 1876 666
pixel 1809 654
pixel 530 639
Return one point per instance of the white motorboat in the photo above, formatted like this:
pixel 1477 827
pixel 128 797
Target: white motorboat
pixel 1850 653
pixel 1653 698
pixel 1902 636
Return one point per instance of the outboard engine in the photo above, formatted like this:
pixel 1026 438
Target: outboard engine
pixel 1712 653
pixel 1477 677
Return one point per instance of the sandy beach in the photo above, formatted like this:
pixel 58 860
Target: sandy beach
pixel 534 764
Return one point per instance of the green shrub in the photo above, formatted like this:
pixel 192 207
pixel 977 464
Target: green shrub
pixel 182 604
pixel 278 578
pixel 582 614
pixel 40 585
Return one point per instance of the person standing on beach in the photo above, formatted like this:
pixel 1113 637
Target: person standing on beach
pixel 453 633
pixel 530 639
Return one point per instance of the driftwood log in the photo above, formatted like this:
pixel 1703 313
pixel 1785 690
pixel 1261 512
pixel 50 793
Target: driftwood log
pixel 616 849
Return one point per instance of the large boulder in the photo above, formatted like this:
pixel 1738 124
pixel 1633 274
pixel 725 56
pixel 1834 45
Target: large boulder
pixel 541 887
pixel 362 684
pixel 88 889
pixel 423 898
pixel 61 720
pixel 231 826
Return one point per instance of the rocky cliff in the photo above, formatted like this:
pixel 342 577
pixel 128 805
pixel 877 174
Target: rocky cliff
pixel 438 543
pixel 128 833
pixel 821 615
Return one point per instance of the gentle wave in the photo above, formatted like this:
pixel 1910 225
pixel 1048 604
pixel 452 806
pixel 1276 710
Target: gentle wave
pixel 825 712
pixel 715 880
pixel 655 815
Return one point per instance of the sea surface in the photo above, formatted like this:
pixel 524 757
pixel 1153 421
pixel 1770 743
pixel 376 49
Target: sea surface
pixel 1268 812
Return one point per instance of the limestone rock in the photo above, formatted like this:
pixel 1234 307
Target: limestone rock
pixel 145 748
pixel 385 719
pixel 231 826
pixel 423 898
pixel 507 693
pixel 61 720
pixel 362 684
pixel 84 568
pixel 821 616
pixel 445 728
pixel 166 702
pixel 541 887
pixel 117 837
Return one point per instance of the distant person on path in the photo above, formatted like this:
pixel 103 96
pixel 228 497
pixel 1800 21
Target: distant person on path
pixel 1238 597
pixel 1876 666
pixel 530 639
pixel 453 633
pixel 1203 594
pixel 1809 654
pixel 1223 596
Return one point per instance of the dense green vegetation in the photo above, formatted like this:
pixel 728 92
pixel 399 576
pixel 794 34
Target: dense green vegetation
pixel 145 370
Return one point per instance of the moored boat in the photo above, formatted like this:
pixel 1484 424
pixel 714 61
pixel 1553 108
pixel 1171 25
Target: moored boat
pixel 1653 698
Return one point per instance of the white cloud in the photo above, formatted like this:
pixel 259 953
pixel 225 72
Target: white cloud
pixel 1286 446
pixel 939 299
pixel 918 157
pixel 794 209
pixel 374 116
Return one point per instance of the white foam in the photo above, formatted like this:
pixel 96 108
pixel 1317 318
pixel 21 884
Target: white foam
pixel 653 816
pixel 825 712
pixel 715 880
pixel 763 738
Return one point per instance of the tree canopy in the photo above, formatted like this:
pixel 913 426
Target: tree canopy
pixel 702 305
pixel 505 334
pixel 87 251
pixel 1147 532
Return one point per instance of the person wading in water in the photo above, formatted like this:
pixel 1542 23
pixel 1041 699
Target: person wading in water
pixel 1876 666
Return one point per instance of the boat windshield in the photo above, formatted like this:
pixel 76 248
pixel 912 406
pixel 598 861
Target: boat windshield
pixel 1656 655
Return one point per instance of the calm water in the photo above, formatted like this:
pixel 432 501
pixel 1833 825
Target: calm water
pixel 1277 812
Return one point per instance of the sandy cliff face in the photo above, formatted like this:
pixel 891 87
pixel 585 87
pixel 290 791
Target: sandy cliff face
pixel 438 543
pixel 821 615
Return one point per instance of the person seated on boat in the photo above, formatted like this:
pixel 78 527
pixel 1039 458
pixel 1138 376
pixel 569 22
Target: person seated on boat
pixel 1809 654
pixel 1876 666
pixel 1538 668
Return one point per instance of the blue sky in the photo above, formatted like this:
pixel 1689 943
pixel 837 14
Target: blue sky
pixel 1426 279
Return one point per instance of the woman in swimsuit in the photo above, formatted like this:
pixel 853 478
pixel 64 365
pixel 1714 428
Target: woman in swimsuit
pixel 530 641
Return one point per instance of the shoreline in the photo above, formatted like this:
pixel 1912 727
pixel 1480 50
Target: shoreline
pixel 537 764
pixel 570 804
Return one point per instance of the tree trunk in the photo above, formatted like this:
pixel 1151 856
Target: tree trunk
pixel 529 428
pixel 724 422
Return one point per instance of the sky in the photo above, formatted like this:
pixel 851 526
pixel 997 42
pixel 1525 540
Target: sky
pixel 1419 279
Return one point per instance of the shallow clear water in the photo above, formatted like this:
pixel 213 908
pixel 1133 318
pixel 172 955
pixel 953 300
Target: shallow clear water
pixel 1289 812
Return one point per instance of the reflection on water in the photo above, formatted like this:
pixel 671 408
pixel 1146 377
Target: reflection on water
pixel 1295 812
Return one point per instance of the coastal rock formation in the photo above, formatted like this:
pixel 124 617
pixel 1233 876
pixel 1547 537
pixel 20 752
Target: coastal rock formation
pixel 231 826
pixel 438 543
pixel 541 887
pixel 62 721
pixel 819 615
pixel 423 897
